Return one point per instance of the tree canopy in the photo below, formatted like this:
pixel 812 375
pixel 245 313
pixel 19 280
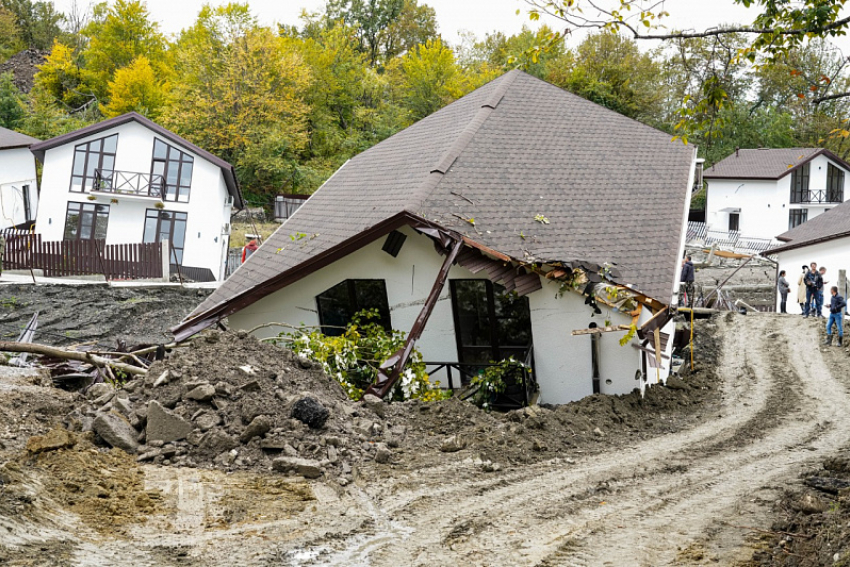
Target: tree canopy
pixel 289 104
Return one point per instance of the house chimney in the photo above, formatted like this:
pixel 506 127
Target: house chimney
pixel 736 151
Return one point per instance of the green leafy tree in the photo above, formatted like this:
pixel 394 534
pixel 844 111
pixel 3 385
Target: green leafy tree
pixel 610 70
pixel 38 24
pixel 11 102
pixel 117 36
pixel 64 81
pixel 238 92
pixel 429 78
pixel 10 35
pixel 135 88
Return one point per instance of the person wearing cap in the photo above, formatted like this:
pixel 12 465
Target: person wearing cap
pixel 801 290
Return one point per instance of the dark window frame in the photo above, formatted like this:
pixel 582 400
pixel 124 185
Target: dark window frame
pixel 834 184
pixel 800 184
pixel 354 306
pixel 25 193
pixel 181 190
pixel 734 222
pixel 796 217
pixel 497 350
pixel 96 211
pixel 175 252
pixel 86 180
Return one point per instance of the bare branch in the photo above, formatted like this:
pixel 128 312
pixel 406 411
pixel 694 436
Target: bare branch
pixel 44 350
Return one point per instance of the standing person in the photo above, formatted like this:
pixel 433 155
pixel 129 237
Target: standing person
pixel 249 249
pixel 784 288
pixel 821 283
pixel 801 290
pixel 687 278
pixel 811 280
pixel 836 315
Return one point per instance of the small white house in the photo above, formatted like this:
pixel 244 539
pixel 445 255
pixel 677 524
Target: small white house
pixel 468 228
pixel 18 186
pixel 128 180
pixel 824 240
pixel 764 192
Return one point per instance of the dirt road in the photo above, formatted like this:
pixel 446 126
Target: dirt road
pixel 671 500
pixel 674 499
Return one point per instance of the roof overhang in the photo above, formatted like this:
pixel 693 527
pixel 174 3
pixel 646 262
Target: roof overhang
pixel 213 315
pixel 821 152
pixel 227 170
pixel 794 246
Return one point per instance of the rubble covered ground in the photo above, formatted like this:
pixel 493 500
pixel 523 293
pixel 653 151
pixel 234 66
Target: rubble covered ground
pixel 238 453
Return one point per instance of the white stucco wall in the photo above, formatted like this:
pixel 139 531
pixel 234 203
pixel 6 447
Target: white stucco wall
pixel 17 168
pixel 834 255
pixel 764 205
pixel 562 361
pixel 207 209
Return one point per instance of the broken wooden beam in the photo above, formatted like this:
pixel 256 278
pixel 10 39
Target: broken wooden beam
pixel 600 330
pixel 44 350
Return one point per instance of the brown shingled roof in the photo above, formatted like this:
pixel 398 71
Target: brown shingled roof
pixel 834 223
pixel 766 163
pixel 613 190
pixel 9 139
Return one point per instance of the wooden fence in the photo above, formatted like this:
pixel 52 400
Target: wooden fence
pixel 83 257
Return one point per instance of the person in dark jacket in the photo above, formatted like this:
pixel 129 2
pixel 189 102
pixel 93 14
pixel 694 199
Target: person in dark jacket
pixel 811 280
pixel 819 297
pixel 687 278
pixel 784 287
pixel 836 315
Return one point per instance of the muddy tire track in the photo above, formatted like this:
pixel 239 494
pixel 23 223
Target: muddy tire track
pixel 643 505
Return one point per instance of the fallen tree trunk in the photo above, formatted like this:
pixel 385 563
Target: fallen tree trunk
pixel 45 350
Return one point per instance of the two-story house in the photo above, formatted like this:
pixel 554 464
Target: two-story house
pixel 128 180
pixel 762 193
pixel 18 189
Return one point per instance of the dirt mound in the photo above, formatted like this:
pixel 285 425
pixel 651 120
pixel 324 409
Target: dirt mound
pixel 96 313
pixel 813 524
pixel 23 66
pixel 232 402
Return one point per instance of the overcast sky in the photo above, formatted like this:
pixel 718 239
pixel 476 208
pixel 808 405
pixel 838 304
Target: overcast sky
pixel 477 16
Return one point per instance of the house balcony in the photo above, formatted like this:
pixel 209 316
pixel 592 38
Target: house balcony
pixel 129 184
pixel 817 197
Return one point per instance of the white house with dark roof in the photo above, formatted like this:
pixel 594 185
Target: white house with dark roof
pixel 128 180
pixel 495 227
pixel 824 239
pixel 18 186
pixel 765 192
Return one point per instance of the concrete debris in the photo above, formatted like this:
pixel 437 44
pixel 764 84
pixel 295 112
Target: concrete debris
pixel 300 467
pixel 452 444
pixel 116 431
pixel 162 425
pixel 202 393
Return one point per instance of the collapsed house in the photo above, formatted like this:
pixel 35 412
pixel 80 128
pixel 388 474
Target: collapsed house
pixel 521 221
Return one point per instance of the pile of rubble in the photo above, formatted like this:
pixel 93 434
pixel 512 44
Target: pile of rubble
pixel 231 402
pixel 23 66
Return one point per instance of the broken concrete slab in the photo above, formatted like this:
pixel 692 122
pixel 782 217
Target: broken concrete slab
pixel 116 432
pixel 294 465
pixel 453 444
pixel 163 425
pixel 258 427
pixel 202 393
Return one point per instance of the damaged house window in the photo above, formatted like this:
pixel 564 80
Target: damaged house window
pixel 491 324
pixel 339 304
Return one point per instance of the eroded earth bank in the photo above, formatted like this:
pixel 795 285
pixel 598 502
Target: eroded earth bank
pixel 696 473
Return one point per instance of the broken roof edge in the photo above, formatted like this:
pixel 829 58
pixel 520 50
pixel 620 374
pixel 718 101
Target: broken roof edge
pixel 195 324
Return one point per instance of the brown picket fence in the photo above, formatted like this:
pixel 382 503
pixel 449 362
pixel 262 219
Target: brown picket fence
pixel 83 257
